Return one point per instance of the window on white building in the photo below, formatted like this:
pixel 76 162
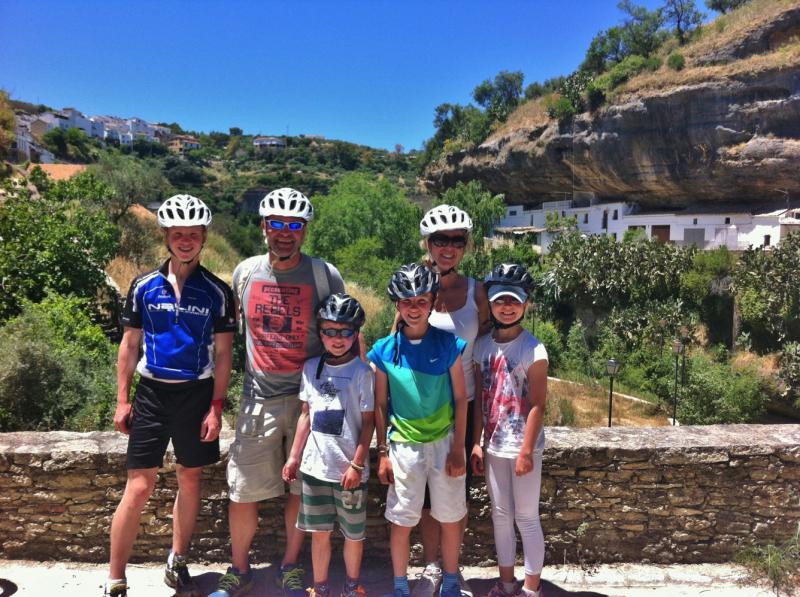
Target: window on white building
pixel 694 221
pixel 585 218
pixel 767 240
pixel 512 212
pixel 616 215
pixel 727 220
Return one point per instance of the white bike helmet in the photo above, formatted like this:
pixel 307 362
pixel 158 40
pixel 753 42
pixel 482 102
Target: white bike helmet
pixel 444 217
pixel 286 202
pixel 183 210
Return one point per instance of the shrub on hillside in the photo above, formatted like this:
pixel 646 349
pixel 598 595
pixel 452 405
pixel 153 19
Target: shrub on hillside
pixel 548 334
pixel 577 355
pixel 676 61
pixel 56 369
pixel 559 107
pixel 790 371
pixel 715 394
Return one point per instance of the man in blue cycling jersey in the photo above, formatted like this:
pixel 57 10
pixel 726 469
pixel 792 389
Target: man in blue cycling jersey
pixel 183 318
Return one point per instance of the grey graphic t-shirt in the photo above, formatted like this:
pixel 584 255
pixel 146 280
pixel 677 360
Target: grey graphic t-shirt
pixel 280 326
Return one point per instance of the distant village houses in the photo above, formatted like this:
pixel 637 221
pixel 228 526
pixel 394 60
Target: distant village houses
pixel 182 143
pixel 31 128
pixel 706 226
pixel 261 142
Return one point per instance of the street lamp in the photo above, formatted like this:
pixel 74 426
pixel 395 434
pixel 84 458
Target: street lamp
pixel 684 340
pixel 677 349
pixel 662 323
pixel 612 366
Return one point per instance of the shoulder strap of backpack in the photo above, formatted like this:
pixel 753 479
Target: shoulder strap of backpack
pixel 248 269
pixel 320 269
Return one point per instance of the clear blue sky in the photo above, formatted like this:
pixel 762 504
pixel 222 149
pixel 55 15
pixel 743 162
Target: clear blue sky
pixel 370 72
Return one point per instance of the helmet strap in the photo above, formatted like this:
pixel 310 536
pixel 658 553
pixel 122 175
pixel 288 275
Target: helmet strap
pixel 504 326
pixel 321 363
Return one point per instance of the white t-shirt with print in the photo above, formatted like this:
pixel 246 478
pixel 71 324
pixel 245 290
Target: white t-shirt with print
pixel 504 392
pixel 335 402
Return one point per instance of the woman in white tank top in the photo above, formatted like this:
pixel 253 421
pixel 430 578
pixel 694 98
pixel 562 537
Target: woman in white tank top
pixel 462 308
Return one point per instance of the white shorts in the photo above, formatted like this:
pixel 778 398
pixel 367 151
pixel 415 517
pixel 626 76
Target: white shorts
pixel 414 466
pixel 264 435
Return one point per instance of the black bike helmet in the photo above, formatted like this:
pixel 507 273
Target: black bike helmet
pixel 412 280
pixel 342 308
pixel 508 277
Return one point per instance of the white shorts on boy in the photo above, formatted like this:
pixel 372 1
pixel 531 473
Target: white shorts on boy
pixel 415 465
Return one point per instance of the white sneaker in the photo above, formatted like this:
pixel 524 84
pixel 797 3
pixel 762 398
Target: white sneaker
pixel 466 590
pixel 428 581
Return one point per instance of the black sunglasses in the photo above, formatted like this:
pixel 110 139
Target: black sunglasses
pixel 442 240
pixel 278 225
pixel 344 332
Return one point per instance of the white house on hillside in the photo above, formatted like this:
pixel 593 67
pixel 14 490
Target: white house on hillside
pixel 261 142
pixel 707 226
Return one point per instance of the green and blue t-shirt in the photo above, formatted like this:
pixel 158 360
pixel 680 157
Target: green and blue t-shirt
pixel 420 392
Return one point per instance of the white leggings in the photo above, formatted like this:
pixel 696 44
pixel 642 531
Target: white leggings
pixel 516 499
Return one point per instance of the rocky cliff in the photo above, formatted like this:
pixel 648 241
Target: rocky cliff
pixel 729 132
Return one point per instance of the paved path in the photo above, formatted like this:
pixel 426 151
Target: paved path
pixel 34 579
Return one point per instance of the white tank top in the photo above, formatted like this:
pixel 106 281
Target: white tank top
pixel 464 324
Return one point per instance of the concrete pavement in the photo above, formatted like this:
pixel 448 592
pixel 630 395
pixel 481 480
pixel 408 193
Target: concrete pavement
pixel 36 579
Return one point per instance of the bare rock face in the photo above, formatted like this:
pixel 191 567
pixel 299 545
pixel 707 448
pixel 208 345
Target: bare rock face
pixel 730 140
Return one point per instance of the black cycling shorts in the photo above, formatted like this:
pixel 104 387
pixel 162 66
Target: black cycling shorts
pixel 170 411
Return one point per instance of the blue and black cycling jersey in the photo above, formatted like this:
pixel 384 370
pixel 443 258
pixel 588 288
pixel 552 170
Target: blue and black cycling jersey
pixel 179 337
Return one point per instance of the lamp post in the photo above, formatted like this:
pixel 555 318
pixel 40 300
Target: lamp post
pixel 684 341
pixel 677 349
pixel 662 323
pixel 612 366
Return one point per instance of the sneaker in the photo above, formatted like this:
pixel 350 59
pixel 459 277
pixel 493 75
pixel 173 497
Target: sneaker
pixel 466 590
pixel 312 592
pixel 451 592
pixel 291 581
pixel 119 589
pixel 357 591
pixel 428 581
pixel 233 583
pixel 499 591
pixel 177 577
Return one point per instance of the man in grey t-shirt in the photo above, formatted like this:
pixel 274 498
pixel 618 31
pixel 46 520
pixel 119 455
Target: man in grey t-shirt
pixel 276 294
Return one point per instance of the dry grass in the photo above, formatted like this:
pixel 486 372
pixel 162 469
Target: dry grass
pixel 529 115
pixel 589 408
pixel 767 365
pixel 371 302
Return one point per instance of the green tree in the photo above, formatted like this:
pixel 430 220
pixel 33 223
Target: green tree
pixel 53 244
pixel 483 208
pixel 56 141
pixel 725 6
pixel 56 368
pixel 7 124
pixel 683 16
pixel 359 207
pixel 501 96
pixel 605 50
pixel 641 30
pixel 131 181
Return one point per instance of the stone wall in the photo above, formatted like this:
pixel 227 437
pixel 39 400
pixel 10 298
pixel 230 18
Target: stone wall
pixel 686 494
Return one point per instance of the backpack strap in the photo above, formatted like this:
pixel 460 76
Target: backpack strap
pixel 248 269
pixel 321 274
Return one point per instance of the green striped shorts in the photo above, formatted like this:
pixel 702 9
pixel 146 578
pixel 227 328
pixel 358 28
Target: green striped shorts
pixel 323 503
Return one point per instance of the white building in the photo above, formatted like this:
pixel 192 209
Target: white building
pixel 262 142
pixel 707 226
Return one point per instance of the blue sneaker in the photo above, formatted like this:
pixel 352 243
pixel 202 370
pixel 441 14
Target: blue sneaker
pixel 233 583
pixel 451 592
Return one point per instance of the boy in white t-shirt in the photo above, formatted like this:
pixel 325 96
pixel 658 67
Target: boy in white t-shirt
pixel 511 385
pixel 333 435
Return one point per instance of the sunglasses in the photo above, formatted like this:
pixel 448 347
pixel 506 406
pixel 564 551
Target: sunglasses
pixel 278 225
pixel 344 333
pixel 442 240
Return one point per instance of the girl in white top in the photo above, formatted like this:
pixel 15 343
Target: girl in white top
pixel 511 373
pixel 461 308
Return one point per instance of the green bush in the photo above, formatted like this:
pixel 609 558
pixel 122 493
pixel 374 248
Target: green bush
pixel 676 61
pixel 377 327
pixel 624 70
pixel 577 356
pixel 56 369
pixel 790 371
pixel 548 334
pixel 560 108
pixel 715 393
